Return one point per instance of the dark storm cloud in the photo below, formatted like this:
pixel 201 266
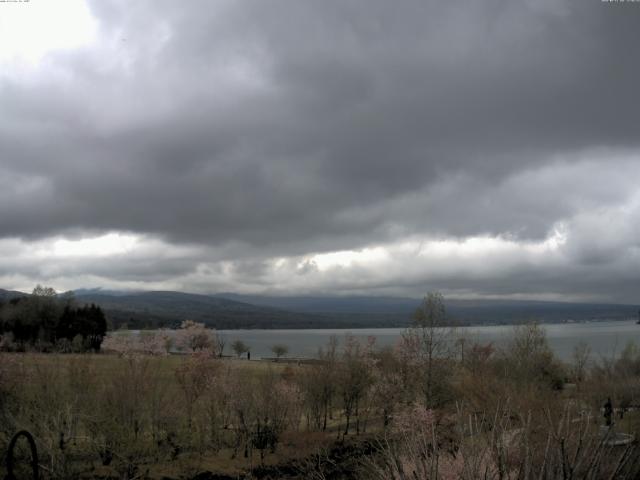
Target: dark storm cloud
pixel 282 128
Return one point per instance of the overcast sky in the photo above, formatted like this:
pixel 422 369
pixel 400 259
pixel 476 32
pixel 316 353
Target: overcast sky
pixel 480 148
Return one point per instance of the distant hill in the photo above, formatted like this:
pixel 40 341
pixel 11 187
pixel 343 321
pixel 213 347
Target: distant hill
pixel 507 312
pixel 9 294
pixel 462 311
pixel 232 311
pixel 332 304
pixel 169 309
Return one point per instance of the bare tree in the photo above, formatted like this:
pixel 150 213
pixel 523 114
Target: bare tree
pixel 318 385
pixel 47 292
pixel 430 341
pixel 528 357
pixel 354 378
pixel 280 350
pixel 581 354
pixel 221 342
pixel 193 377
pixel 239 347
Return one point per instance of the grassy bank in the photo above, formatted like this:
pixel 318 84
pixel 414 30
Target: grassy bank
pixel 104 415
pixel 366 412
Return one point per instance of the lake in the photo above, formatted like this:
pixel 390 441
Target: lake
pixel 606 338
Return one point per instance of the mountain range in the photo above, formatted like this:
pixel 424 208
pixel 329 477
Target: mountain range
pixel 234 311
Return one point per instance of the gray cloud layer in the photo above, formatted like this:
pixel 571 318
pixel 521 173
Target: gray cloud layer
pixel 248 131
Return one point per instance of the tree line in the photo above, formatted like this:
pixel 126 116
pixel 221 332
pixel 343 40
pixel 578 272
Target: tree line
pixel 45 321
pixel 438 406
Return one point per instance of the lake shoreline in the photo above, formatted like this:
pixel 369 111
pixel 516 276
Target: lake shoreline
pixel 605 338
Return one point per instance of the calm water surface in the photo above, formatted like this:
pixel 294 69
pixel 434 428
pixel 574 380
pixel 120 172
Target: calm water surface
pixel 606 338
